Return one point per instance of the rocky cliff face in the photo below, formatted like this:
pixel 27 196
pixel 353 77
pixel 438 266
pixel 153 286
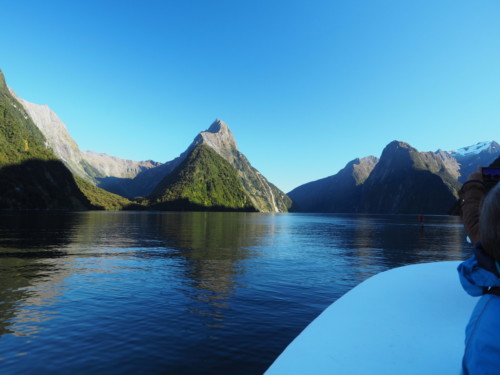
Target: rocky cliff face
pixel 89 165
pixel 111 166
pixel 220 139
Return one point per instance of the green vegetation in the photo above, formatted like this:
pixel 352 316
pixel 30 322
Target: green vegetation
pixel 203 181
pixel 101 199
pixel 20 139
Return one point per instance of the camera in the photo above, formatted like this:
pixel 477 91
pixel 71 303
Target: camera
pixel 491 176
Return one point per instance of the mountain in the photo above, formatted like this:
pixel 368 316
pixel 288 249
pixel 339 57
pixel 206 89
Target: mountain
pixel 407 181
pixel 143 183
pixel 91 166
pixel 265 197
pixel 202 181
pixel 107 165
pixel 471 157
pixel 337 193
pixel 403 180
pixel 31 177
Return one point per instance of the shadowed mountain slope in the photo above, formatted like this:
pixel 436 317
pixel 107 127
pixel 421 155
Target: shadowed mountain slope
pixel 406 181
pixel 403 180
pixel 337 193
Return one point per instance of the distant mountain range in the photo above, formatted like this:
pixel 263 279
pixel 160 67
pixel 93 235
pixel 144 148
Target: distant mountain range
pixel 212 174
pixel 42 167
pixel 403 180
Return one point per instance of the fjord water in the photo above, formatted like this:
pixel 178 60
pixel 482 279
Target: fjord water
pixel 187 293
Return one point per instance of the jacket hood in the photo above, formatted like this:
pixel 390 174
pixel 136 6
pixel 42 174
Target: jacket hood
pixel 478 273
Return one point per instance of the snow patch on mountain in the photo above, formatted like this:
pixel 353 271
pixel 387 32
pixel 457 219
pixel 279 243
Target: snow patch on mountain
pixel 472 150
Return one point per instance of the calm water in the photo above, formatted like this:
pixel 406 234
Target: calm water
pixel 187 293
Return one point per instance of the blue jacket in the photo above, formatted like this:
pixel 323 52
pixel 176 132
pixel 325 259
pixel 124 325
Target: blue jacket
pixel 482 335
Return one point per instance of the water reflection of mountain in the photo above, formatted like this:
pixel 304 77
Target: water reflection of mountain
pixel 30 244
pixel 364 245
pixel 38 252
pixel 213 246
pixel 397 240
pixel 30 232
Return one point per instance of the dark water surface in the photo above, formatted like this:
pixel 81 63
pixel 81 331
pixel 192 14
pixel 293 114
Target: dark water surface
pixel 187 293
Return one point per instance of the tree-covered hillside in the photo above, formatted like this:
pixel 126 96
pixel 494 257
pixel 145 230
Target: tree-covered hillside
pixel 20 139
pixel 203 181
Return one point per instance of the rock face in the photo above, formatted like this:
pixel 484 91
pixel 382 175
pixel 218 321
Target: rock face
pixel 111 166
pixel 337 193
pixel 89 165
pixel 56 135
pixel 220 139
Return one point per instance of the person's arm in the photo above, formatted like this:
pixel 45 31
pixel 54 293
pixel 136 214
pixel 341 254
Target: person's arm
pixel 472 194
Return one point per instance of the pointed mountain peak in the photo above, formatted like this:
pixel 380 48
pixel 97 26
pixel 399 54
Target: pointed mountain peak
pixel 395 145
pixel 218 126
pixel 219 137
pixel 396 148
pixel 396 155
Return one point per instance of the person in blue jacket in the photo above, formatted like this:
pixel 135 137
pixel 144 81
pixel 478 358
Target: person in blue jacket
pixel 480 276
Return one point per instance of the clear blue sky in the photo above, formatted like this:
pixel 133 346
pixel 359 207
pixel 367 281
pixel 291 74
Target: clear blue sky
pixel 305 86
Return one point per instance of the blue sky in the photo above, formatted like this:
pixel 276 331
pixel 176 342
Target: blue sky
pixel 305 86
